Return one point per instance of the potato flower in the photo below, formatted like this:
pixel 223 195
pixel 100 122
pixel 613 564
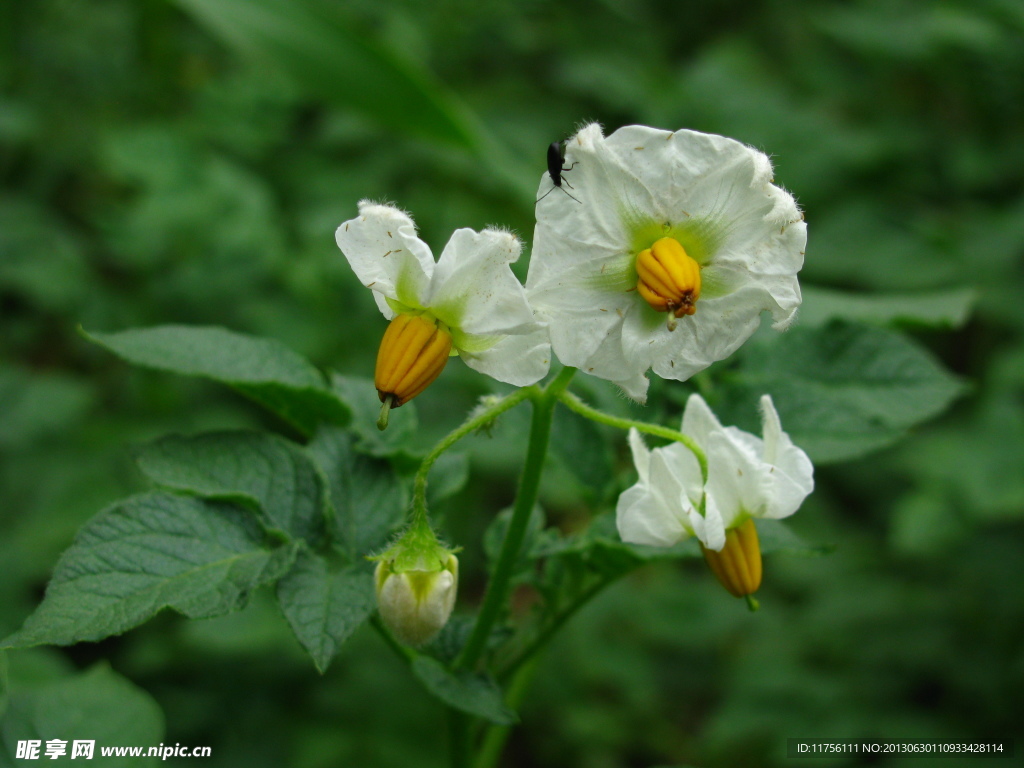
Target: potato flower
pixel 467 303
pixel 747 477
pixel 674 246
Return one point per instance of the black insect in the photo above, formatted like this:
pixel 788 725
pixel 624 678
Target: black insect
pixel 556 157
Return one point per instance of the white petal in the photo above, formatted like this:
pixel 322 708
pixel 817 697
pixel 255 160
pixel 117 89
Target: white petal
pixel 473 287
pixel 641 455
pixel 383 250
pixel 674 475
pixel 719 328
pixel 710 528
pixel 699 422
pixel 520 359
pixel 611 187
pixel 692 173
pixel 737 478
pixel 593 344
pixel 643 518
pixel 791 475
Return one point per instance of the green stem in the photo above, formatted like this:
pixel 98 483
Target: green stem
pixel 478 419
pixel 404 653
pixel 459 738
pixel 496 735
pixel 575 404
pixel 529 485
pixel 545 636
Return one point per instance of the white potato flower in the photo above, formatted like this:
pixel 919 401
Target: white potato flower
pixel 467 303
pixel 747 477
pixel 664 258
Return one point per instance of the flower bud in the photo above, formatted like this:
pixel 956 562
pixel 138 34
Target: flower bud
pixel 669 279
pixel 415 604
pixel 738 564
pixel 412 354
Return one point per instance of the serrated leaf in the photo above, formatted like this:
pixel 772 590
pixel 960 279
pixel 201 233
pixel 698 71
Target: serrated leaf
pixel 367 495
pixel 264 370
pixel 148 553
pixel 466 691
pixel 258 469
pixel 323 607
pixel 97 705
pixel 841 390
pixel 934 309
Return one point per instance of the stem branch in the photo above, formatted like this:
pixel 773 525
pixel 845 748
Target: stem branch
pixel 529 485
pixel 573 403
pixel 477 419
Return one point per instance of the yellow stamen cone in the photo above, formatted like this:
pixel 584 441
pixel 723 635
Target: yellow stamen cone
pixel 669 279
pixel 738 564
pixel 412 354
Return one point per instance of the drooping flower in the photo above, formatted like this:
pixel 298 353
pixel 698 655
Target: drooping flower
pixel 674 246
pixel 467 303
pixel 747 477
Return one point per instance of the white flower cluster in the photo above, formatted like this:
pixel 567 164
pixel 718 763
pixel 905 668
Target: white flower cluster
pixel 711 195
pixel 663 258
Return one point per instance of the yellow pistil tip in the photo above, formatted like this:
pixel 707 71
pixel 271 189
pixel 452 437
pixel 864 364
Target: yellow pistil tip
pixel 668 279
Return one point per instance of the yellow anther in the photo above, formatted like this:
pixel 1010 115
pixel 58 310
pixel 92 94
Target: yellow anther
pixel 669 279
pixel 412 354
pixel 738 564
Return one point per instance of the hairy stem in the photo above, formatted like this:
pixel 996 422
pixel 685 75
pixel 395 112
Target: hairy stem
pixel 479 418
pixel 497 590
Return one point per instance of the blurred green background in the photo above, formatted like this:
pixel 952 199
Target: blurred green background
pixel 188 162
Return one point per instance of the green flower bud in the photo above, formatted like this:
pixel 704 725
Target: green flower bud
pixel 415 603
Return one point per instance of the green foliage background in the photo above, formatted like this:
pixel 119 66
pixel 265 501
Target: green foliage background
pixel 187 162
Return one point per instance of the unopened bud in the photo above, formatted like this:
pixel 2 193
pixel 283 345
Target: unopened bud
pixel 669 279
pixel 415 604
pixel 738 564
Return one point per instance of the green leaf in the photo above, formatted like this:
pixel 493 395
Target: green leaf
pixel 324 607
pixel 4 684
pixel 145 554
pixel 448 476
pixel 97 705
pixel 582 448
pixel 935 309
pixel 841 390
pixel 368 496
pixel 475 694
pixel 330 56
pixel 264 370
pixel 361 396
pixel 257 469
